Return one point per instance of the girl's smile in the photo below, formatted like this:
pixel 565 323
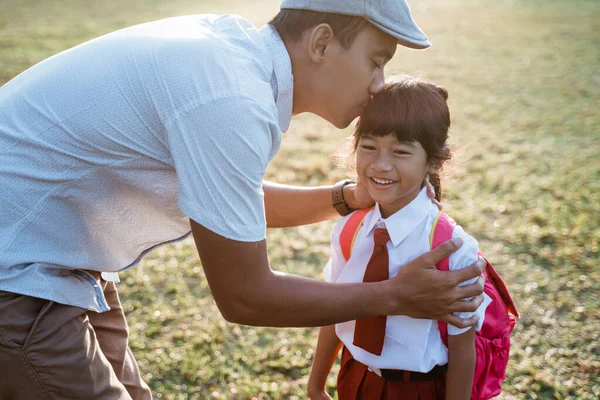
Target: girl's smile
pixel 383 182
pixel 392 170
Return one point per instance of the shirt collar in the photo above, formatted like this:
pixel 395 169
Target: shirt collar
pixel 283 80
pixel 404 221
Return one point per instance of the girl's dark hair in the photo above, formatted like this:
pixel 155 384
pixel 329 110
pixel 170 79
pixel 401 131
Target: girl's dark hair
pixel 291 24
pixel 413 110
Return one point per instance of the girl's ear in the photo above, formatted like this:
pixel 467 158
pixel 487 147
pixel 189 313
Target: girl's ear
pixel 435 166
pixel 438 163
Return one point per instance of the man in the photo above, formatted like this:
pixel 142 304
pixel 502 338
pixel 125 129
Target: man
pixel 116 146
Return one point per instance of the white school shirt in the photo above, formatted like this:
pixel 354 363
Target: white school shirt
pixel 108 149
pixel 410 344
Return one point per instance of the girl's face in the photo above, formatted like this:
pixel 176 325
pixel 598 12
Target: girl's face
pixel 392 171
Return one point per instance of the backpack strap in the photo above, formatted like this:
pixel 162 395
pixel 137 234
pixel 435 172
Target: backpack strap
pixel 350 230
pixel 442 229
pixel 498 283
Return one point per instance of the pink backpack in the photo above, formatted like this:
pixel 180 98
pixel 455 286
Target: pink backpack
pixel 492 342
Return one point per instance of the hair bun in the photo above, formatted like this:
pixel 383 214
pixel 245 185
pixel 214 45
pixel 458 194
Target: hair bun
pixel 443 92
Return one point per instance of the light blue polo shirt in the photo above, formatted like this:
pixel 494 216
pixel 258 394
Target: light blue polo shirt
pixel 107 149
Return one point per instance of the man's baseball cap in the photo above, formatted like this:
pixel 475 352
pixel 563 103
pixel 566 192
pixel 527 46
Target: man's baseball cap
pixel 391 16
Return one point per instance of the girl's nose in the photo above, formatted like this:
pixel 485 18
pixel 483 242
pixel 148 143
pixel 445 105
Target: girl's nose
pixel 381 164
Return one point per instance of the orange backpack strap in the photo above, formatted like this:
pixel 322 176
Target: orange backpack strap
pixel 350 229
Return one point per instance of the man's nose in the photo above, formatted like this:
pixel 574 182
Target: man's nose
pixel 377 84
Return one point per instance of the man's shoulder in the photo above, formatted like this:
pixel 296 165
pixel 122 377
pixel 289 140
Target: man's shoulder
pixel 216 38
pixel 209 57
pixel 190 27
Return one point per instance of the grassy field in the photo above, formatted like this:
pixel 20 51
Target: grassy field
pixel 524 83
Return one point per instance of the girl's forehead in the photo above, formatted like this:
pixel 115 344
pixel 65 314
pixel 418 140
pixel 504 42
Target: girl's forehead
pixel 389 137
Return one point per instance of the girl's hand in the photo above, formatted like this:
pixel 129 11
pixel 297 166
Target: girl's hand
pixel 319 394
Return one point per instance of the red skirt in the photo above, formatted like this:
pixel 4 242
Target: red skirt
pixel 357 382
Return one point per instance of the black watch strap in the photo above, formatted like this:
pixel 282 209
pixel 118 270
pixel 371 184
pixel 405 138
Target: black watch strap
pixel 337 197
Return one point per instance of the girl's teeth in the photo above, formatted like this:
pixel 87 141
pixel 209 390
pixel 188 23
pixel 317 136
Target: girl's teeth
pixel 382 181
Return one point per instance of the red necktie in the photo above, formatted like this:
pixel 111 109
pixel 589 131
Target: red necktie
pixel 369 332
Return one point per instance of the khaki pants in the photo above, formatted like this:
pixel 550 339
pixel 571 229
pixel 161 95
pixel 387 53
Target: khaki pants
pixel 53 351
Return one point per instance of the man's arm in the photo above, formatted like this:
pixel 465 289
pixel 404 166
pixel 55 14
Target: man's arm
pixel 247 291
pixel 287 205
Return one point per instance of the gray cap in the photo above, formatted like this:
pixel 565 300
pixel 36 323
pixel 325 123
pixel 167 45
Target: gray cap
pixel 391 16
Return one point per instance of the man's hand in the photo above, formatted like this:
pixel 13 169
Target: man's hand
pixel 357 197
pixel 431 192
pixel 422 291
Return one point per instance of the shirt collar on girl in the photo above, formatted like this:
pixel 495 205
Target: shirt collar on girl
pixel 402 222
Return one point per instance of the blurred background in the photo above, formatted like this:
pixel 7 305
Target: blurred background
pixel 524 84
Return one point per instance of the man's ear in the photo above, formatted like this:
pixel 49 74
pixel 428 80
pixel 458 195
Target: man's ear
pixel 320 37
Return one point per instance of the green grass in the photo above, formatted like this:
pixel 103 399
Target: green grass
pixel 524 83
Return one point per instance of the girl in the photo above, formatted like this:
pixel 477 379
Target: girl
pixel 399 141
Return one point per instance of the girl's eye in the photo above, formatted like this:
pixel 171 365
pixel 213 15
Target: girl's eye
pixel 401 152
pixel 367 147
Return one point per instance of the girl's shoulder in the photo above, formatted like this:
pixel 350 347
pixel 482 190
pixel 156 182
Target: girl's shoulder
pixel 468 253
pixel 347 229
pixel 467 239
pixel 458 230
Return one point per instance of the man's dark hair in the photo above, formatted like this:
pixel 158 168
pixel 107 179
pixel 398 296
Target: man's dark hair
pixel 291 24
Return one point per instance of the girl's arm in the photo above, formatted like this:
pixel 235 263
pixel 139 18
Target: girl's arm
pixel 326 352
pixel 461 365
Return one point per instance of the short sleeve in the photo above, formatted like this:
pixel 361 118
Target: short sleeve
pixel 220 151
pixel 465 256
pixel 336 262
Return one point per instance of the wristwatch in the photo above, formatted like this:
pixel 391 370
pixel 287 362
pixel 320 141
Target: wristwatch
pixel 337 197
